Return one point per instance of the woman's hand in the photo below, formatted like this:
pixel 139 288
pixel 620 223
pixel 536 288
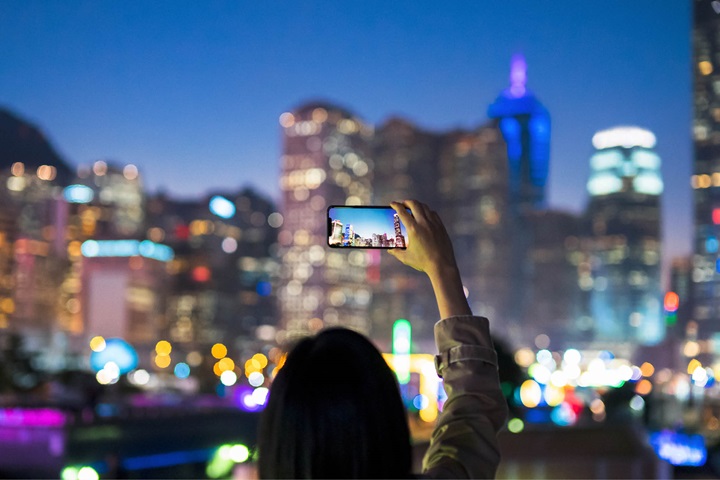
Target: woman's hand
pixel 429 249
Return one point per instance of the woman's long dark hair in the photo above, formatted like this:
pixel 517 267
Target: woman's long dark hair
pixel 334 411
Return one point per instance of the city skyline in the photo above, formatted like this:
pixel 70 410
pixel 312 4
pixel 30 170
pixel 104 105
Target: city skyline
pixel 204 86
pixel 367 221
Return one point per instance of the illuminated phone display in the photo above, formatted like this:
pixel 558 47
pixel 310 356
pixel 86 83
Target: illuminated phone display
pixel 365 227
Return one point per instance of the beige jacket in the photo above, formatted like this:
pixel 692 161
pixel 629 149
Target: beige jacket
pixel 464 443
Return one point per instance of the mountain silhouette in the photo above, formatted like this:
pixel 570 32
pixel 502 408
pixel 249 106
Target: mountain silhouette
pixel 21 141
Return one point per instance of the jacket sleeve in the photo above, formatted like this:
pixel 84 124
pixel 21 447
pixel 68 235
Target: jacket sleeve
pixel 464 441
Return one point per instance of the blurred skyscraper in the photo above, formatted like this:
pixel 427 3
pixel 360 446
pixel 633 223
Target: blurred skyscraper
pixel 624 226
pixel 222 277
pixel 325 161
pixel 705 288
pixel 525 126
pixel 463 175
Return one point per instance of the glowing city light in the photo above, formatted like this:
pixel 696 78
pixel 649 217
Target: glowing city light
pixel 625 137
pixel 163 347
pixel 87 473
pixel 97 344
pixel 182 370
pixel 401 341
pixel 516 425
pixel 222 207
pixel 78 194
pixel 530 393
pixel 679 449
pixel 518 76
pixel 162 361
pixel 228 378
pixel 117 351
pixel 239 453
pixel 256 379
pixel 218 351
pixel 672 302
pixel 139 377
pixel 126 248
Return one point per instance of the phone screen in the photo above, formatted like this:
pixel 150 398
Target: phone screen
pixel 365 227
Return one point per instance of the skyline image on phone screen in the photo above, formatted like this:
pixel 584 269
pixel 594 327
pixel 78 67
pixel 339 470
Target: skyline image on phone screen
pixel 365 227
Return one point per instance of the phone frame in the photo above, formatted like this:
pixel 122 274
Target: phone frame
pixel 329 227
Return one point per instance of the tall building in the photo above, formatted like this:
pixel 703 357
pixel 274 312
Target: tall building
pixel 556 304
pixel 474 189
pixel 463 175
pixel 705 309
pixel 34 234
pixel 525 126
pixel 325 161
pixel 623 217
pixel 407 166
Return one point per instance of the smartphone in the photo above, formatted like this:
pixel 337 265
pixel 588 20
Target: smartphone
pixel 365 227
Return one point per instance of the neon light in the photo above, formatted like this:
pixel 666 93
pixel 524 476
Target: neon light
pixel 168 459
pixel 155 251
pixel 37 417
pixel 401 341
pixel 78 194
pixel 518 76
pixel 679 449
pixel 126 248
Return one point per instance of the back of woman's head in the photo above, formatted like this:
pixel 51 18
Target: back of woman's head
pixel 334 411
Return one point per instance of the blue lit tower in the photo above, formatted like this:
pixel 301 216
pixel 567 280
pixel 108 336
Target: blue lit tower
pixel 623 276
pixel 525 125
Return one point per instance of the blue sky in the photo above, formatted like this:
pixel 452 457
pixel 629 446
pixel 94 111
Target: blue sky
pixel 366 221
pixel 191 91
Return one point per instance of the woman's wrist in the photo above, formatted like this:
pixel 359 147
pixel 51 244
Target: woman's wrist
pixel 449 291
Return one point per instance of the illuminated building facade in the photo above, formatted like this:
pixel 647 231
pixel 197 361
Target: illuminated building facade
pixel 463 175
pixel 124 287
pixel 118 198
pixel 325 161
pixel 624 222
pixel 224 272
pixel 525 126
pixel 406 167
pixel 557 303
pixel 705 290
pixel 475 208
pixel 34 241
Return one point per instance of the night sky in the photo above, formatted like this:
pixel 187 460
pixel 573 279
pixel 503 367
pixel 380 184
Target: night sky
pixel 191 92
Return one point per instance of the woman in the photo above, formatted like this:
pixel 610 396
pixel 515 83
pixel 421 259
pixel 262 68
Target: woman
pixel 335 409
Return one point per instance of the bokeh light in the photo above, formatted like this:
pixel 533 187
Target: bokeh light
pixel 218 350
pixel 97 344
pixel 530 393
pixel 228 378
pixel 163 347
pixel 516 425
